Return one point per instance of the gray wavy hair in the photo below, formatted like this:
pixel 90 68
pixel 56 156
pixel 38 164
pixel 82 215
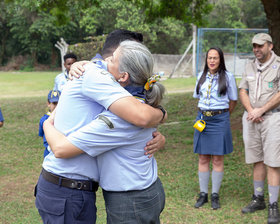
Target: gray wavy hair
pixel 137 61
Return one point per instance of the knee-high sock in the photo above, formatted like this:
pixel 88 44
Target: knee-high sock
pixel 273 192
pixel 258 187
pixel 217 178
pixel 203 181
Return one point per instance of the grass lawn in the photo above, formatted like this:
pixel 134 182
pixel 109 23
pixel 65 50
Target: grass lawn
pixel 22 154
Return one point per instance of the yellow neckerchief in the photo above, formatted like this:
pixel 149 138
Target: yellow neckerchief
pixel 140 98
pixel 208 96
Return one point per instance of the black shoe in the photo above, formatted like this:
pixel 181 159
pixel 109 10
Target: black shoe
pixel 273 213
pixel 257 203
pixel 215 202
pixel 203 198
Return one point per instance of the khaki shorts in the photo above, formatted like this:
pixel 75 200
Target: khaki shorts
pixel 262 140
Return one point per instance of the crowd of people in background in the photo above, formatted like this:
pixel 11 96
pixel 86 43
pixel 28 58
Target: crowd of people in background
pixel 83 141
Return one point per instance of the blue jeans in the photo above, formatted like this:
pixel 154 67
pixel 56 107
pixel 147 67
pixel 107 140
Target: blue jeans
pixel 143 206
pixel 61 205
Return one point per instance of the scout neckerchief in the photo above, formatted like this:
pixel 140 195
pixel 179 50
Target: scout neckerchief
pixel 66 75
pixel 208 96
pixel 136 91
pixel 261 68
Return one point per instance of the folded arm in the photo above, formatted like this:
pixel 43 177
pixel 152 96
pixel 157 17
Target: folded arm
pixel 59 144
pixel 137 113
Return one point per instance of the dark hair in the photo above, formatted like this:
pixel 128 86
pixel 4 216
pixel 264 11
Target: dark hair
pixel 116 37
pixel 222 89
pixel 69 55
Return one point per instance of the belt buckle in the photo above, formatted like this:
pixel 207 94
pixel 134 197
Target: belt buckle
pixel 208 113
pixel 77 185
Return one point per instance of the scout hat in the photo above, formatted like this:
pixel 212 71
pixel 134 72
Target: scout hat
pixel 53 96
pixel 261 38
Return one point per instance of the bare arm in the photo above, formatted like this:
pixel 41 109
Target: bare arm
pixel 245 100
pixel 244 97
pixel 271 104
pixel 58 142
pixel 137 113
pixel 1 123
pixel 232 104
pixel 255 114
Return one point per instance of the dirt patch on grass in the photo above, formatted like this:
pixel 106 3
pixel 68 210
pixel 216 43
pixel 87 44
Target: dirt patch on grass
pixel 17 187
pixel 236 123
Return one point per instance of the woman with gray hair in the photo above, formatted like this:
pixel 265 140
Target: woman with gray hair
pixel 132 191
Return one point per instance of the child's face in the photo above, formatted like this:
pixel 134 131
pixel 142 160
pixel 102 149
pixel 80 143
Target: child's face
pixel 52 106
pixel 68 63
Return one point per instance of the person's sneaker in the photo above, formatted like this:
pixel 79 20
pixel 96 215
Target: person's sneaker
pixel 257 203
pixel 202 199
pixel 215 202
pixel 273 213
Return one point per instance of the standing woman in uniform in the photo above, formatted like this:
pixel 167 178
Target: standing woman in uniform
pixel 217 94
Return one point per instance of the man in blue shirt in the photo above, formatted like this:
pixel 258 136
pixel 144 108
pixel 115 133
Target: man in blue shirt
pixel 62 78
pixel 127 176
pixel 67 185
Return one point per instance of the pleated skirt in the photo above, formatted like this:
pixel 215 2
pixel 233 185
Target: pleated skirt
pixel 216 138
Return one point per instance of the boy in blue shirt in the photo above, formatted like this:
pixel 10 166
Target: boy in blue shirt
pixel 1 119
pixel 53 98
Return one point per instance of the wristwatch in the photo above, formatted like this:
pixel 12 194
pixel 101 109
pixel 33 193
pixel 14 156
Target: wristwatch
pixel 163 112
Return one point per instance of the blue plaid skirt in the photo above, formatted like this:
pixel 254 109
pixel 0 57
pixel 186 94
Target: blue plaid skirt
pixel 216 138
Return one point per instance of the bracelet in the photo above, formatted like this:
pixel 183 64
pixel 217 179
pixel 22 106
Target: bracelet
pixel 163 112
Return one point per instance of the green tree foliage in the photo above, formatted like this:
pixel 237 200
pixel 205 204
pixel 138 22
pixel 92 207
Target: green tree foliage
pixel 30 27
pixel 34 31
pixel 233 14
pixel 162 35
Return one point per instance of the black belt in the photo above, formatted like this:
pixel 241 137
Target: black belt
pixel 210 113
pixel 85 185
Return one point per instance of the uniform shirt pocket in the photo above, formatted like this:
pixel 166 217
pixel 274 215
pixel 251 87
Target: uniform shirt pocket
pixel 251 83
pixel 271 82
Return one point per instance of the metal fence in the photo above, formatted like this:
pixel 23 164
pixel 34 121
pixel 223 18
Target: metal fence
pixel 235 43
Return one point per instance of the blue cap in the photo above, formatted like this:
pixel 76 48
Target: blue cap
pixel 54 96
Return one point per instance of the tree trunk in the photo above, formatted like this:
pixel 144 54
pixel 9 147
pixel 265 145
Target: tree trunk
pixel 272 11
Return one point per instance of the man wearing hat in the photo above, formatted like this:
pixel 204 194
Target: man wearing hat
pixel 53 98
pixel 260 95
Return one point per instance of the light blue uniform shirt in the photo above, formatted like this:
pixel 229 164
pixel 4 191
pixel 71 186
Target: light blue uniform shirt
pixel 60 81
pixel 120 152
pixel 81 100
pixel 216 100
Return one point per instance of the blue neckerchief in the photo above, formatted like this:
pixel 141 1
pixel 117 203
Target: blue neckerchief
pixel 99 61
pixel 97 56
pixel 136 91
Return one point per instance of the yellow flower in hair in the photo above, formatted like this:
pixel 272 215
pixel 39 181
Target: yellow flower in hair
pixel 153 79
